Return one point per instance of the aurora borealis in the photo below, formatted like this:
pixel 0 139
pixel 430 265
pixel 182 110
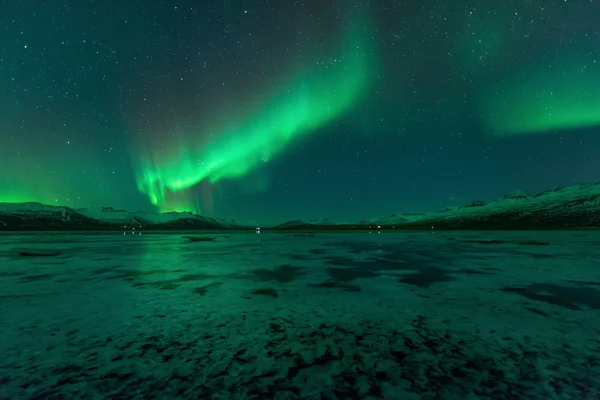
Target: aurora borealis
pixel 314 96
pixel 555 96
pixel 295 110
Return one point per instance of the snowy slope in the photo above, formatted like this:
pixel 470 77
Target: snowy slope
pixel 570 206
pixel 397 219
pixel 109 214
pixel 36 216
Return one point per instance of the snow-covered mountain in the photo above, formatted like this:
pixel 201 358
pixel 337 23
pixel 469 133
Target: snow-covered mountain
pixel 396 219
pixel 320 221
pixel 576 206
pixel 563 207
pixel 36 216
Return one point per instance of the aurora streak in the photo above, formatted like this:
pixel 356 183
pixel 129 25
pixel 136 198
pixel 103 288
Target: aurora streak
pixel 314 96
pixel 272 111
pixel 552 97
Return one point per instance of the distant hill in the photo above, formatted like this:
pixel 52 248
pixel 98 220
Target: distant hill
pixel 576 206
pixel 41 217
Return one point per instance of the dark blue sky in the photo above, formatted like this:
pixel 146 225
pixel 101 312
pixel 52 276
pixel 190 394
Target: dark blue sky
pixel 464 101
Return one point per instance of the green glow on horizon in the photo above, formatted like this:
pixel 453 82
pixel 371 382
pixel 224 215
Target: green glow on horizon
pixel 181 201
pixel 15 190
pixel 43 175
pixel 544 99
pixel 27 197
pixel 312 97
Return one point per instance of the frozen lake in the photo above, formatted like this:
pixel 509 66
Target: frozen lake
pixel 395 315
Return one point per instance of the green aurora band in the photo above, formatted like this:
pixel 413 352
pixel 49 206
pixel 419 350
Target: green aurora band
pixel 313 97
pixel 10 196
pixel 554 97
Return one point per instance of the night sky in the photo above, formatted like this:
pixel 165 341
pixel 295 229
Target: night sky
pixel 272 110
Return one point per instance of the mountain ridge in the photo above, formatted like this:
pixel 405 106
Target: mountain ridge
pixel 37 216
pixel 565 207
pixel 559 208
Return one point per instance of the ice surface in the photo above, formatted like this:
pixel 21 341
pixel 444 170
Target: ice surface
pixel 329 315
